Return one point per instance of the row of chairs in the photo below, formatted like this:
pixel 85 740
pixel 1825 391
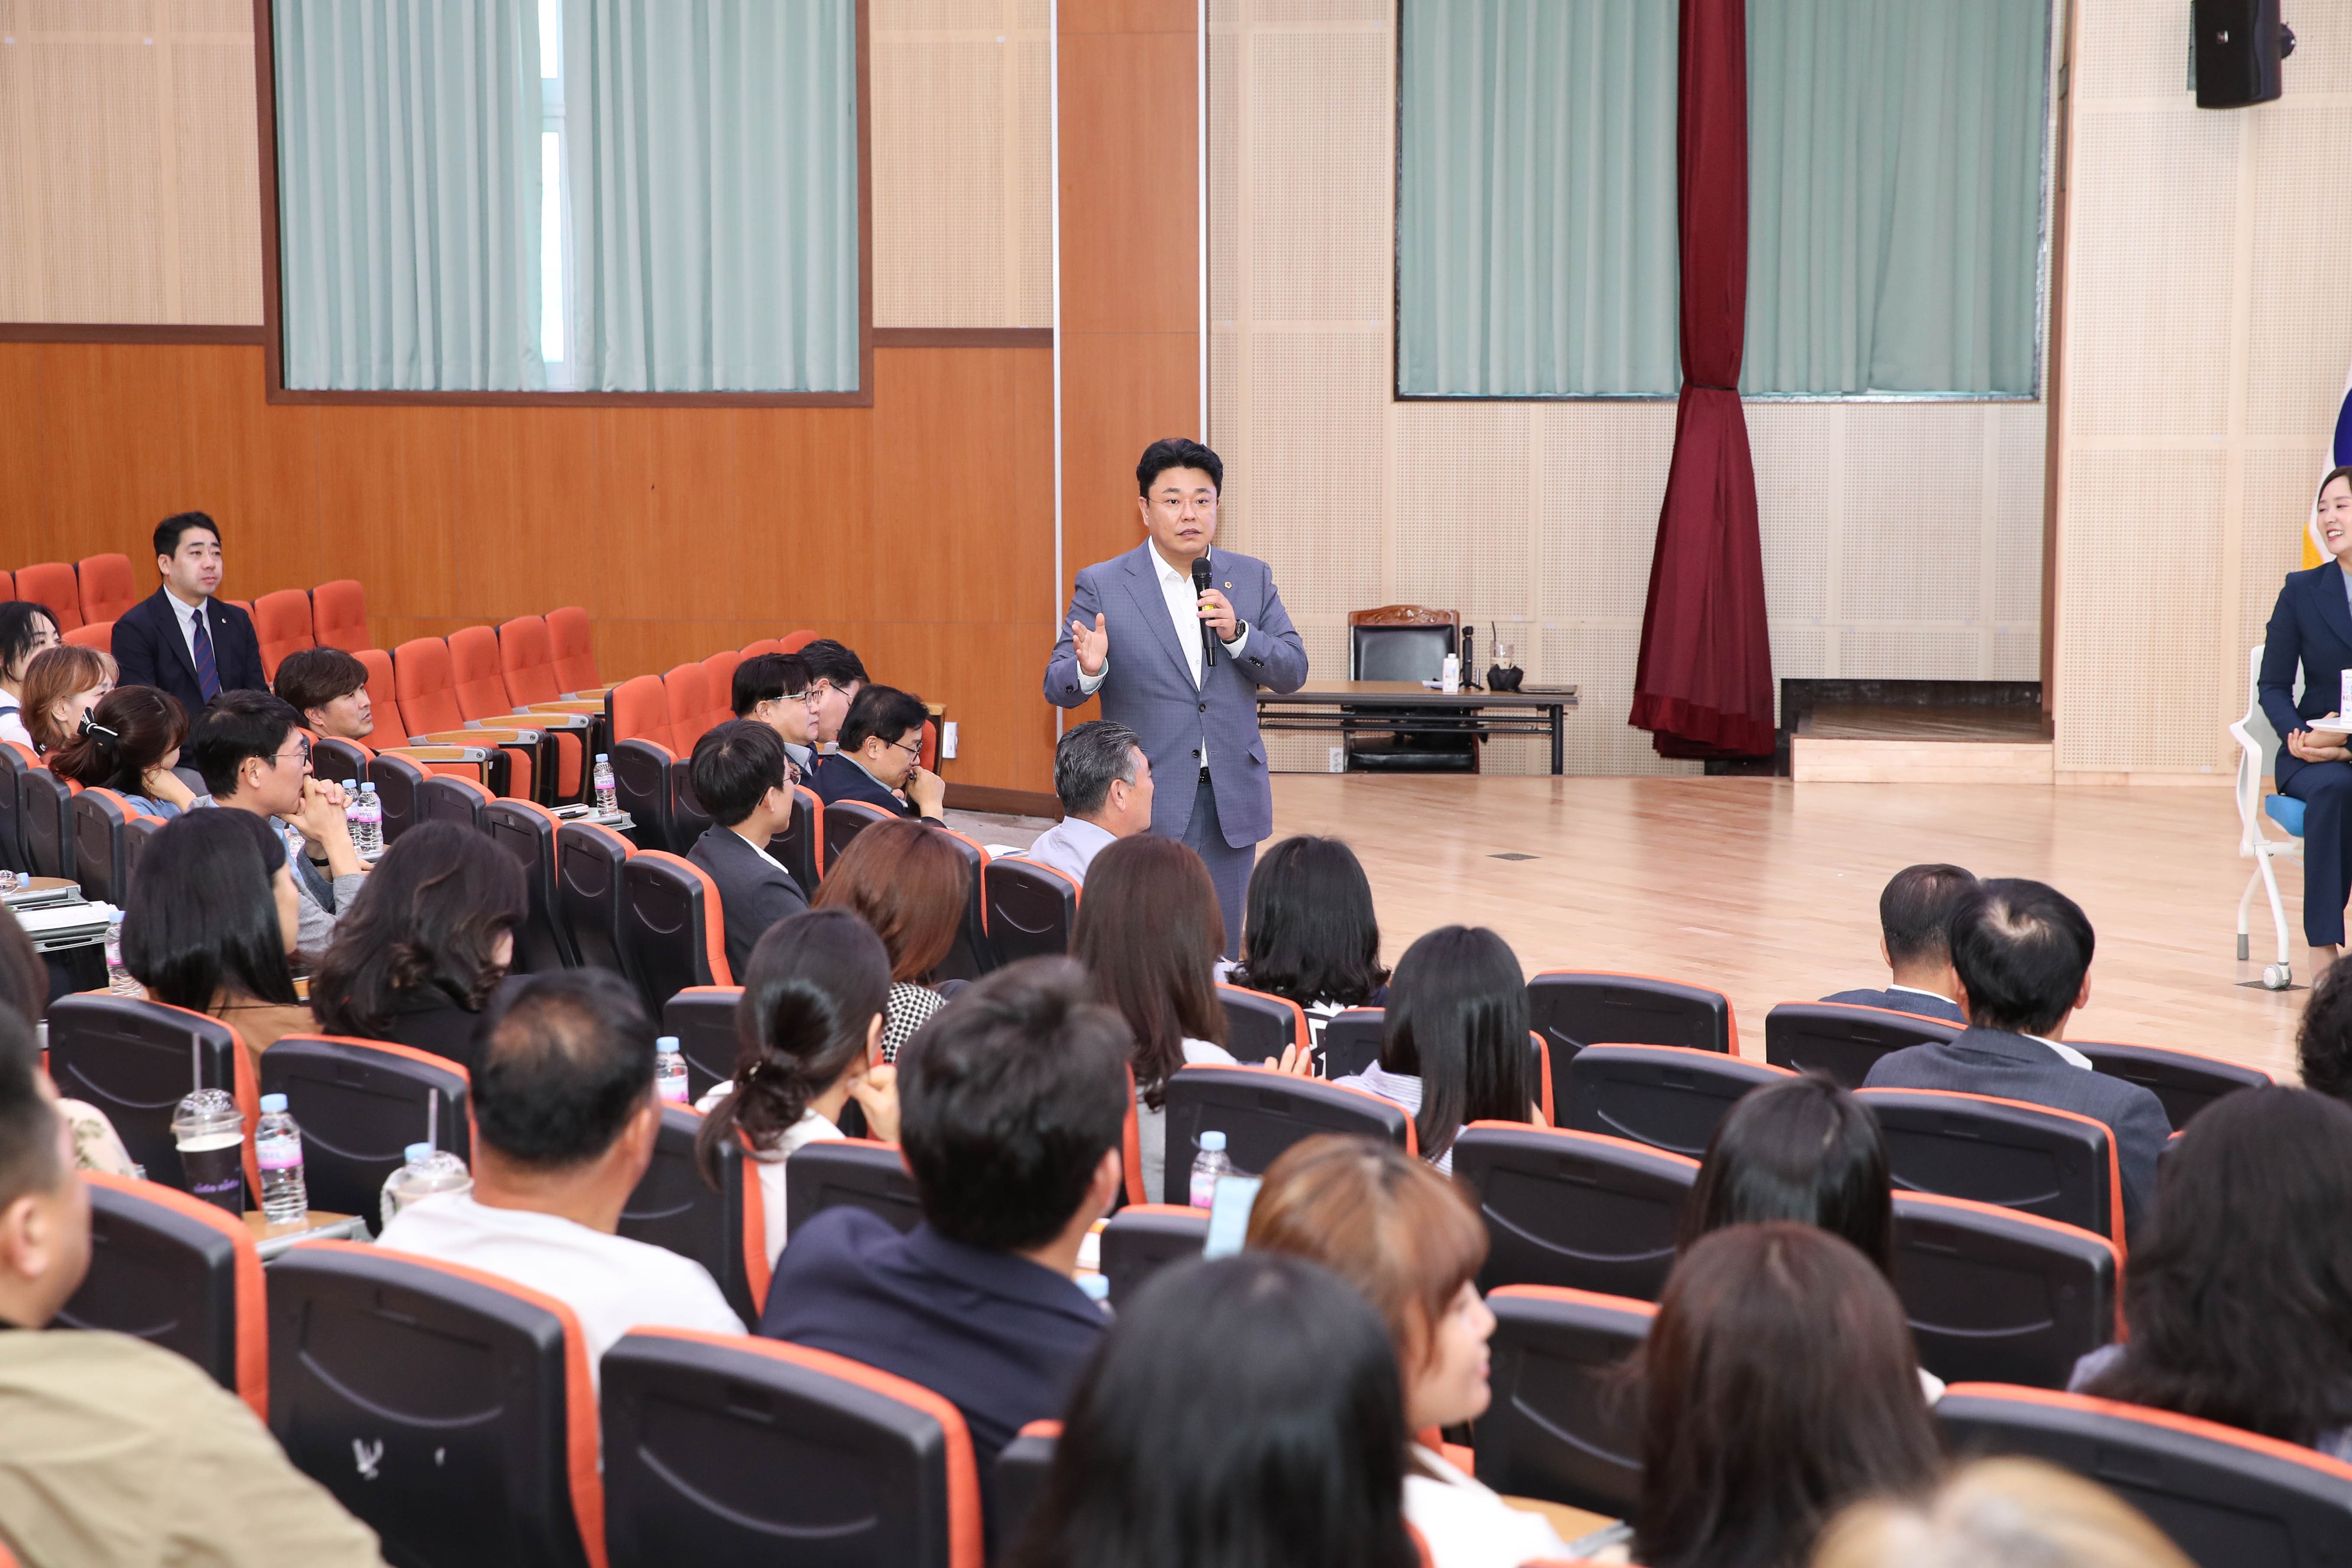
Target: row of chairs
pixel 86 599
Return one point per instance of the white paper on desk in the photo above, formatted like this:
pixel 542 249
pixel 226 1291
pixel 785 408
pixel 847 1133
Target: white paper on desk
pixel 58 919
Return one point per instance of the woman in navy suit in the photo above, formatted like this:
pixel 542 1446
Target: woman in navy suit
pixel 2312 627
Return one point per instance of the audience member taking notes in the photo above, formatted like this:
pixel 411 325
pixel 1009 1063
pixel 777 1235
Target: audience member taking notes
pixel 328 688
pixel 739 773
pixel 2022 953
pixel 1104 783
pixel 911 886
pixel 880 757
pixel 1914 914
pixel 249 748
pixel 564 1120
pixel 179 639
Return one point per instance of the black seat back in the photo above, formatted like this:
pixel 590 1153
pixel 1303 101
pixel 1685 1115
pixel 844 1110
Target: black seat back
pixel 1996 1296
pixel 971 955
pixel 1566 1421
pixel 1022 1468
pixel 1351 1041
pixel 444 797
pixel 2049 1162
pixel 849 1171
pixel 674 1208
pixel 588 861
pixel 13 761
pixel 434 1405
pixel 688 819
pixel 1844 1041
pixel 2227 1498
pixel 1573 1209
pixel 800 848
pixel 1669 1097
pixel 361 1103
pixel 44 805
pixel 1262 1113
pixel 1142 1239
pixel 1031 909
pixel 175 1271
pixel 1258 1025
pixel 642 772
pixel 702 1017
pixel 99 818
pixel 332 757
pixel 1400 652
pixel 399 787
pixel 2185 1081
pixel 1573 1008
pixel 845 820
pixel 137 834
pixel 527 831
pixel 673 926
pixel 136 1060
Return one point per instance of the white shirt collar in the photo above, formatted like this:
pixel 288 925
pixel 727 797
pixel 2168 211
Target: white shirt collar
pixel 1078 830
pixel 2067 1053
pixel 1170 575
pixel 1916 991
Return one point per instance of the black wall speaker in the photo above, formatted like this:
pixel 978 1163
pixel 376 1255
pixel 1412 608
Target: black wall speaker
pixel 2238 45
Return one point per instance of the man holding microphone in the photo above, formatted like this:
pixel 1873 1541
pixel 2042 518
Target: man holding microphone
pixel 1177 636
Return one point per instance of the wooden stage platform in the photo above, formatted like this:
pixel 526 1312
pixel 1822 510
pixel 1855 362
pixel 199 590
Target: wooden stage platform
pixel 1769 890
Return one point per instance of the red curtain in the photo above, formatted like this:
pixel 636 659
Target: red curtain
pixel 1703 686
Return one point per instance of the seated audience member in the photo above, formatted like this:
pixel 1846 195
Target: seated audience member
pixel 835 676
pixel 1454 1040
pixel 1150 931
pixel 2239 1294
pixel 115 1453
pixel 129 746
pixel 2000 1513
pixel 1779 1384
pixel 424 946
pixel 1412 1245
pixel 911 885
pixel 26 629
pixel 1913 913
pixel 247 746
pixel 774 689
pixel 62 684
pixel 808 1040
pixel 742 778
pixel 1104 782
pixel 1310 934
pixel 209 922
pixel 328 688
pixel 2023 953
pixel 179 639
pixel 1242 1411
pixel 25 991
pixel 565 1119
pixel 1011 1107
pixel 2323 1041
pixel 880 757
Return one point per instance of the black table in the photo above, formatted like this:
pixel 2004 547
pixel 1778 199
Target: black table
pixel 1409 708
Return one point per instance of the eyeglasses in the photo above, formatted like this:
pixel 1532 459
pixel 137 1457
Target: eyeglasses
pixel 302 750
pixel 915 751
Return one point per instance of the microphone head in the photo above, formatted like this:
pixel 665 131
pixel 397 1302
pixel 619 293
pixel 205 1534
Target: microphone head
pixel 1201 574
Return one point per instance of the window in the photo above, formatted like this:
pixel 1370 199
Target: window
pixel 554 232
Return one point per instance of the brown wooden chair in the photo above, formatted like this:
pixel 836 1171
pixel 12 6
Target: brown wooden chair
pixel 1408 642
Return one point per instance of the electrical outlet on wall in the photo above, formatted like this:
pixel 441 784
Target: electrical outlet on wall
pixel 1338 759
pixel 947 741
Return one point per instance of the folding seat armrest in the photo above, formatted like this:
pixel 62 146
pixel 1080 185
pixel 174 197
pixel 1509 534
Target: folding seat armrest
pixel 473 734
pixel 438 753
pixel 587 694
pixel 584 710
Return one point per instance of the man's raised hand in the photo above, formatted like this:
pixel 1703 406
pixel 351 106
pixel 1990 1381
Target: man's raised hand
pixel 1094 647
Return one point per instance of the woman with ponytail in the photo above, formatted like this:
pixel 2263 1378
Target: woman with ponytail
pixel 808 1036
pixel 417 957
pixel 128 744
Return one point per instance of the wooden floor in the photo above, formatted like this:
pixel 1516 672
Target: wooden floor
pixel 1769 890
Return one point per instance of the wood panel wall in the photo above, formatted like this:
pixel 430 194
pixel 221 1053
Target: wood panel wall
pixel 919 531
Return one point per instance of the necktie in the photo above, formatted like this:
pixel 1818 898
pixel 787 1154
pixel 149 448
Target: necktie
pixel 207 672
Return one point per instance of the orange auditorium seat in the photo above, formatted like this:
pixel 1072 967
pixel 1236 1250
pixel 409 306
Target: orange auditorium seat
pixel 687 687
pixel 429 713
pixel 528 661
pixel 793 642
pixel 338 615
pixel 720 669
pixel 282 622
pixel 106 589
pixel 765 646
pixel 571 642
pixel 51 584
pixel 480 686
pixel 643 754
pixel 100 637
pixel 7 584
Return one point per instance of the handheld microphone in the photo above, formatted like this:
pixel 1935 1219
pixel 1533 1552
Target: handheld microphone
pixel 1208 636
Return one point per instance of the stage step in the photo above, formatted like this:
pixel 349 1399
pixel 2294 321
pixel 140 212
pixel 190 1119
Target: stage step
pixel 1818 759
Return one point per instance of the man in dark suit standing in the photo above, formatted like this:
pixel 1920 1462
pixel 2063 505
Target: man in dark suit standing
pixel 1915 917
pixel 181 640
pixel 2023 953
pixel 737 773
pixel 881 743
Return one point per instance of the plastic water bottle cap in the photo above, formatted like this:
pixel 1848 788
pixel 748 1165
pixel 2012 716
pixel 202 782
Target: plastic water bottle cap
pixel 666 1043
pixel 418 1153
pixel 1213 1142
pixel 276 1102
pixel 604 756
pixel 367 789
pixel 351 784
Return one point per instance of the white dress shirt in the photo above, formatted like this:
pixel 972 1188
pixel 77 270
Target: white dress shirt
pixel 1070 846
pixel 810 1129
pixel 1465 1524
pixel 186 614
pixel 2067 1054
pixel 1184 610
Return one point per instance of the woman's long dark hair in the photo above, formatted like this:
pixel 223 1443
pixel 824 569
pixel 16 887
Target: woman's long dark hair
pixel 2239 1301
pixel 1311 934
pixel 424 924
pixel 21 621
pixel 1804 1151
pixel 810 992
pixel 1243 1413
pixel 1779 1384
pixel 130 730
pixel 201 920
pixel 1150 931
pixel 1458 1019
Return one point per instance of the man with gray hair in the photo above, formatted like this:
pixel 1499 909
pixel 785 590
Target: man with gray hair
pixel 1103 781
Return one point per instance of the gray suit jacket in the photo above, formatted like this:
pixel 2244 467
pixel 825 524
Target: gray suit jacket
pixel 752 894
pixel 1149 685
pixel 2011 1066
pixel 1915 1002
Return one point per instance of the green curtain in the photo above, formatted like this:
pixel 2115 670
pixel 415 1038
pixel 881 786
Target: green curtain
pixel 1894 195
pixel 713 149
pixel 1536 245
pixel 408 194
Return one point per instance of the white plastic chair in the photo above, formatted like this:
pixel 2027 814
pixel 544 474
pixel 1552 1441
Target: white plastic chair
pixel 2258 747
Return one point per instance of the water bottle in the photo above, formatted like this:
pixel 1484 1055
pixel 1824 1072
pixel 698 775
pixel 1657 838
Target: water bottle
pixel 608 799
pixel 670 1070
pixel 428 1171
pixel 209 1131
pixel 1207 1165
pixel 118 980
pixel 367 821
pixel 277 1149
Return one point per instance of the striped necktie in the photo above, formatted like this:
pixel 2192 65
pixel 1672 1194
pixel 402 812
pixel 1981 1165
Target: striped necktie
pixel 207 672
